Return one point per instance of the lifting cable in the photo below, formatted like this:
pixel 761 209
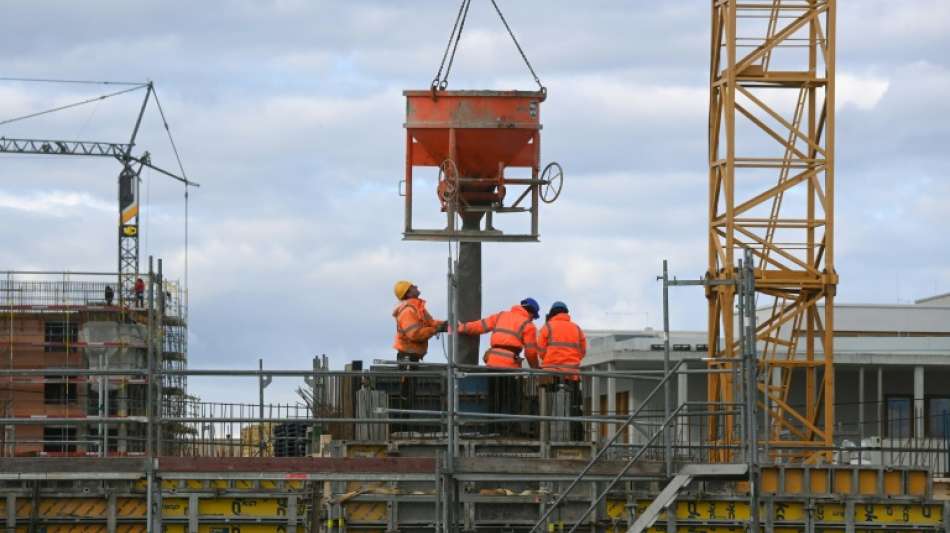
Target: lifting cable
pixel 440 82
pixel 188 183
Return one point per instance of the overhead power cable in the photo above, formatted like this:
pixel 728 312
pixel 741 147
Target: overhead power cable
pixel 72 105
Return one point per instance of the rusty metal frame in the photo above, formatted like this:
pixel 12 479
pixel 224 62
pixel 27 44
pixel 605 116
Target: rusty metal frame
pixel 788 224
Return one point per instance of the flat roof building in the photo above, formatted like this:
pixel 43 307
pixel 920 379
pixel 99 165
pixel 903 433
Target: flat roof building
pixel 892 377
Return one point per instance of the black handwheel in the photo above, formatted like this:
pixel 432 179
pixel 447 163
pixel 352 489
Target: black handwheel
pixel 552 180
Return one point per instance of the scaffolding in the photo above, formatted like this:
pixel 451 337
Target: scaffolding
pixel 72 321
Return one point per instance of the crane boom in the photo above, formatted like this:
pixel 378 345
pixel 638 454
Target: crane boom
pixel 128 194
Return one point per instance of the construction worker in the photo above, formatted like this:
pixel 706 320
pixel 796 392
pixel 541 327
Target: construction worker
pixel 561 343
pixel 512 332
pixel 139 290
pixel 414 325
pixel 561 347
pixel 109 294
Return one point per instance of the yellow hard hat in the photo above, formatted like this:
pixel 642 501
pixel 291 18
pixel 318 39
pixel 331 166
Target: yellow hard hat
pixel 401 288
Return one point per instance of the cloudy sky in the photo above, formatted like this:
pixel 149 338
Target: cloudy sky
pixel 289 113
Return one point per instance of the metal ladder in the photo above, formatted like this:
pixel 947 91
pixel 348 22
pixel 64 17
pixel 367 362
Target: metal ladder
pixel 631 420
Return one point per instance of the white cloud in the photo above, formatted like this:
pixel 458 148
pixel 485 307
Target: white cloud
pixel 54 203
pixel 862 92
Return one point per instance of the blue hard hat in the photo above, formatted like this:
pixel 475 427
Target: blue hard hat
pixel 531 305
pixel 559 305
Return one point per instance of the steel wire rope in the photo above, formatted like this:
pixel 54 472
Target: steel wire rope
pixel 148 202
pixel 518 46
pixel 438 82
pixel 445 82
pixel 181 168
pixel 70 106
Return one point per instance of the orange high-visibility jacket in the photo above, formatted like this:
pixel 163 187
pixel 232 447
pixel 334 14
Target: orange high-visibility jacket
pixel 414 326
pixel 562 344
pixel 512 332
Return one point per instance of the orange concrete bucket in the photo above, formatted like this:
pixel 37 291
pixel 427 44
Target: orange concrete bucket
pixel 472 136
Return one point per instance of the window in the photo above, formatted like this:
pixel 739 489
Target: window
pixel 95 439
pixel 938 416
pixel 58 334
pixel 59 439
pixel 899 416
pixel 59 390
pixel 92 401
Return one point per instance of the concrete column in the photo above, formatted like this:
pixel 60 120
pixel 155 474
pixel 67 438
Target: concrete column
pixel 682 396
pixel 631 406
pixel 919 402
pixel 611 396
pixel 470 290
pixel 860 405
pixel 594 405
pixel 880 402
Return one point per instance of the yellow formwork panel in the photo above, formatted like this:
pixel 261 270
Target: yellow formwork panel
pixel 61 508
pixel 893 482
pixel 362 512
pixel 879 514
pixel 818 481
pixel 131 507
pixel 867 482
pixel 917 482
pixel 617 508
pixel 898 513
pixel 234 507
pixel 843 481
pixel 174 507
pixel 229 528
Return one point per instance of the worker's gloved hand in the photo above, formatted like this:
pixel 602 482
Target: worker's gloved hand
pixel 442 327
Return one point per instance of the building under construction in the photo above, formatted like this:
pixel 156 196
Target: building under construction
pixel 737 428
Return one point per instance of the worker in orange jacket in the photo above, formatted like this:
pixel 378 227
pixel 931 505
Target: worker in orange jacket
pixel 414 325
pixel 512 335
pixel 561 343
pixel 562 346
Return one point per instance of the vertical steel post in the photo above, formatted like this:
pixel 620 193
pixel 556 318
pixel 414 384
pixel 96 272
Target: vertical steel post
pixel 740 386
pixel 260 407
pixel 150 365
pixel 667 393
pixel 101 408
pixel 750 360
pixel 159 349
pixel 105 436
pixel 149 406
pixel 861 415
pixel 449 502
